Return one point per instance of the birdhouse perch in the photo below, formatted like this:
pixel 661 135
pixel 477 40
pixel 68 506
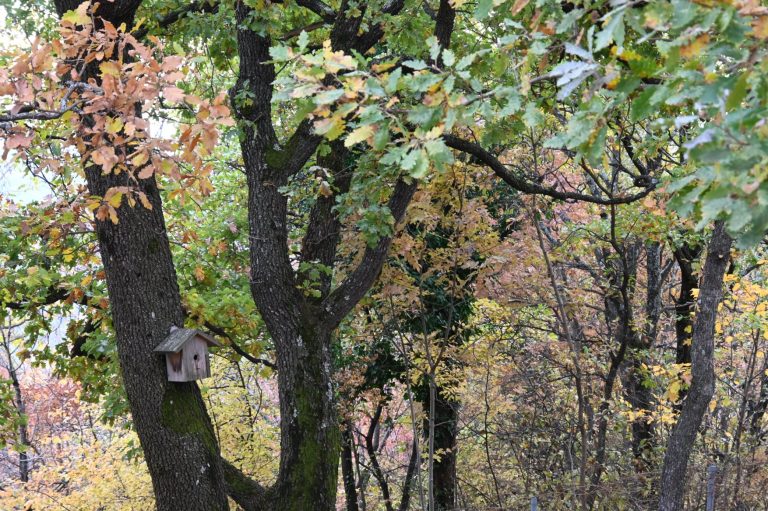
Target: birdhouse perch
pixel 186 354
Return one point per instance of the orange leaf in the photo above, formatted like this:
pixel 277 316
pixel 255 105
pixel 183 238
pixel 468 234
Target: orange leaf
pixel 760 27
pixel 519 6
pixel 146 172
pixel 173 94
pixel 695 48
pixel 18 140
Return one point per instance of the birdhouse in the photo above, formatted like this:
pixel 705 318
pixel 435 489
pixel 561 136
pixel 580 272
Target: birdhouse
pixel 186 354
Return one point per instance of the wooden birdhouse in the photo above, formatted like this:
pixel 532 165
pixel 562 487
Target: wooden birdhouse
pixel 186 354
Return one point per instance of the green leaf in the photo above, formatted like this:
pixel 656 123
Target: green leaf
pixel 642 106
pixel 483 9
pixel 303 40
pixel 532 116
pixel 613 31
pixel 449 58
pixel 280 53
pixel 739 91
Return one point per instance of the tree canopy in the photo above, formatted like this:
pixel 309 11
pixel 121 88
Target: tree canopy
pixel 520 239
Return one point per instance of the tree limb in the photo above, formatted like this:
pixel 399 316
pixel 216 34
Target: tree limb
pixel 344 298
pixel 207 6
pixel 522 185
pixel 247 493
pixel 236 347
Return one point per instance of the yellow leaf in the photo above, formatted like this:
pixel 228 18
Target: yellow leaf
pixel 140 159
pixel 384 66
pixel 110 68
pixel 86 281
pixel 674 390
pixel 114 125
pixel 358 135
pixel 115 200
pixel 78 16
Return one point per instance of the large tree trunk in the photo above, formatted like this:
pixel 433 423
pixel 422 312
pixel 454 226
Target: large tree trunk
pixel 176 435
pixel 703 373
pixel 301 326
pixel 310 438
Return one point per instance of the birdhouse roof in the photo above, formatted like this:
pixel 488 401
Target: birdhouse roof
pixel 179 337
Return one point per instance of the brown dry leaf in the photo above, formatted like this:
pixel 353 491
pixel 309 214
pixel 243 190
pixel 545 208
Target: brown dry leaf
pixel 695 47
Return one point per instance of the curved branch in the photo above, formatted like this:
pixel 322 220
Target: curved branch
pixel 346 296
pixel 236 347
pixel 207 6
pixel 522 185
pixel 247 493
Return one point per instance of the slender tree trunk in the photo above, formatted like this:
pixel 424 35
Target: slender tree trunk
pixel 602 423
pixel 23 436
pixel 702 386
pixel 758 409
pixel 684 304
pixel 446 431
pixel 641 400
pixel 347 467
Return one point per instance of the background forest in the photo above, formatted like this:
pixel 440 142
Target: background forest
pixel 458 255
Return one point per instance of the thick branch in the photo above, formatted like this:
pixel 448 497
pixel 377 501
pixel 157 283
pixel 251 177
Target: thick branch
pixel 246 492
pixel 323 232
pixel 54 294
pixel 444 21
pixel 344 298
pixel 318 7
pixel 209 6
pixel 522 185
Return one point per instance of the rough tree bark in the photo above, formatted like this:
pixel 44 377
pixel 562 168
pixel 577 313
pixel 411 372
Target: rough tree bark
pixel 301 327
pixel 685 256
pixel 702 386
pixel 176 435
pixel 446 432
